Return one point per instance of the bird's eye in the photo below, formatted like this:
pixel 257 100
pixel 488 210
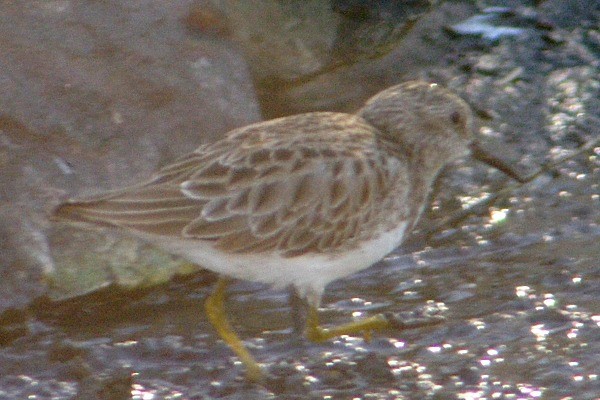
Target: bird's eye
pixel 455 117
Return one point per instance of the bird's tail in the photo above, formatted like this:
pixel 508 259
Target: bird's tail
pixel 79 212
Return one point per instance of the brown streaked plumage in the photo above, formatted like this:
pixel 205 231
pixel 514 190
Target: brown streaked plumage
pixel 300 200
pixel 265 188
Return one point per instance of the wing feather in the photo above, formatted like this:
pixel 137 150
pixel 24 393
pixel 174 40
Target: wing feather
pixel 202 229
pixel 262 190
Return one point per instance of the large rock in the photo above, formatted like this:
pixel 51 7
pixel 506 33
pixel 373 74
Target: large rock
pixel 96 95
pixel 332 55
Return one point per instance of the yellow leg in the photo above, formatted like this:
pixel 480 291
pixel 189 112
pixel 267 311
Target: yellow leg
pixel 216 315
pixel 317 334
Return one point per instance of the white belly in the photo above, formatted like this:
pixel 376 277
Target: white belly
pixel 310 273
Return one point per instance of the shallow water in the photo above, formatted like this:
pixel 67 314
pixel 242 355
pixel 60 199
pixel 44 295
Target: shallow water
pixel 519 295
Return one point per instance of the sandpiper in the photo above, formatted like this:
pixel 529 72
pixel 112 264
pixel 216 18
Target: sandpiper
pixel 301 200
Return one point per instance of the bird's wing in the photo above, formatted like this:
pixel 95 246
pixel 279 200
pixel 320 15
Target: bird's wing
pixel 263 190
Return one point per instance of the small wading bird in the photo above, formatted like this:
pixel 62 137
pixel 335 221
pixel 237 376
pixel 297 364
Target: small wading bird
pixel 300 200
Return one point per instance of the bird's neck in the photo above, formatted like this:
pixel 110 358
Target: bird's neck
pixel 426 160
pixel 425 170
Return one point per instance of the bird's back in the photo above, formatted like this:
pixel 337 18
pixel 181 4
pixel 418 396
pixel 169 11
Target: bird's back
pixel 316 183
